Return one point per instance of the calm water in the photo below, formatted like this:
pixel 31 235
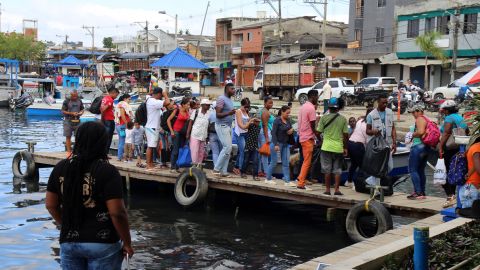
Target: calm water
pixel 265 235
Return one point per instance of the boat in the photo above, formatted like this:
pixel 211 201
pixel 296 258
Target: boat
pixel 9 87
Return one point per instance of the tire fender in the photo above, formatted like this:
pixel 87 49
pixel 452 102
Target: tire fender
pixel 30 171
pixel 384 219
pixel 201 188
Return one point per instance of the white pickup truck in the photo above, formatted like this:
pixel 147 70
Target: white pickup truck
pixel 338 85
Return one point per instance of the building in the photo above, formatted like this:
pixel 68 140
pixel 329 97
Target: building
pixel 415 19
pixel 371 36
pixel 159 41
pixel 205 45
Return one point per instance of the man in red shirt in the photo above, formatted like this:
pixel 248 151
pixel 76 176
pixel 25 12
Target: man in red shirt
pixel 108 118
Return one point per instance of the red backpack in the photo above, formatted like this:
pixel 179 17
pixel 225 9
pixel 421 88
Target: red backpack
pixel 432 133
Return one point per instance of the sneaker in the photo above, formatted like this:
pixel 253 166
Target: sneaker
pixel 451 201
pixel 244 176
pixel 304 188
pixel 271 182
pixel 412 196
pixel 421 196
pixel 348 184
pixel 290 184
pixel 215 172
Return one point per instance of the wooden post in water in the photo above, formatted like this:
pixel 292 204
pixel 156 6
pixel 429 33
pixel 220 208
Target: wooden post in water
pixel 127 183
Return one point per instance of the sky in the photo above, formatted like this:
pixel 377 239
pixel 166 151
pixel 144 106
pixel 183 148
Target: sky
pixel 57 18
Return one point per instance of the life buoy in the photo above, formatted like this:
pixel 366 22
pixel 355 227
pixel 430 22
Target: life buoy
pixel 355 216
pixel 29 173
pixel 201 187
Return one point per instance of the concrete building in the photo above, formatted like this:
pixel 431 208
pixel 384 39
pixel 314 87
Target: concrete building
pixel 205 45
pixel 159 41
pixel 413 20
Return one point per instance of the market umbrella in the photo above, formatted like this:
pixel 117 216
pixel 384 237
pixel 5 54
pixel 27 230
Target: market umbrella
pixel 471 77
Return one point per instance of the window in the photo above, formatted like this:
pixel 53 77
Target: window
pixel 249 36
pixel 155 48
pixel 389 81
pixel 259 76
pixel 306 47
pixel 333 84
pixel 368 81
pixel 348 82
pixel 470 23
pixel 381 3
pixel 359 4
pixel 429 25
pixel 442 25
pixel 318 86
pixel 413 28
pixel 380 34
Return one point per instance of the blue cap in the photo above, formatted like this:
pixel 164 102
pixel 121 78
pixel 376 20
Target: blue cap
pixel 333 102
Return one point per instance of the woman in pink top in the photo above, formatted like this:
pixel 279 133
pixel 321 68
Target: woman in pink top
pixel 356 147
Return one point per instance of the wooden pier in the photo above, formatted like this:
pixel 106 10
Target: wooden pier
pixel 397 204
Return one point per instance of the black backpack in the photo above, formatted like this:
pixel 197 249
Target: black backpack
pixel 164 118
pixel 96 104
pixel 141 113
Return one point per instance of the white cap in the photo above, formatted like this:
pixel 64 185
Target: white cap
pixel 448 104
pixel 205 101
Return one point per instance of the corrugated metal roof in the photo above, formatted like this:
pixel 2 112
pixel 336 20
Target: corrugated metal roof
pixel 180 59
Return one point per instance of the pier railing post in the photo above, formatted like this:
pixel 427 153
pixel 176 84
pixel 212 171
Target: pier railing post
pixel 420 247
pixel 31 146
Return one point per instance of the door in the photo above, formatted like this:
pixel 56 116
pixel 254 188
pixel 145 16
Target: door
pixel 418 73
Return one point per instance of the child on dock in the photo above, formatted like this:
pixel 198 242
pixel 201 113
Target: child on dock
pixel 138 137
pixel 129 142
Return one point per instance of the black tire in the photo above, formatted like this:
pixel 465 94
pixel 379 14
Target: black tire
pixel 261 94
pixel 201 188
pixel 188 94
pixel 381 214
pixel 302 98
pixel 172 94
pixel 403 110
pixel 17 172
pixel 438 97
pixel 287 95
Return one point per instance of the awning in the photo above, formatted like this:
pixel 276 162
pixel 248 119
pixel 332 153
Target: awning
pixel 219 64
pixel 391 59
pixel 366 58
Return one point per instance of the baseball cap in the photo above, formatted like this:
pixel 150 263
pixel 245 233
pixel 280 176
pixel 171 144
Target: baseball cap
pixel 333 102
pixel 448 104
pixel 205 101
pixel 416 108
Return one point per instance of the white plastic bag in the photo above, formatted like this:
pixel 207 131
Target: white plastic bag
pixel 440 174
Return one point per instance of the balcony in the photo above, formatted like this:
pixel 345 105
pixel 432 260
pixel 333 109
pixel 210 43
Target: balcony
pixel 236 49
pixel 359 12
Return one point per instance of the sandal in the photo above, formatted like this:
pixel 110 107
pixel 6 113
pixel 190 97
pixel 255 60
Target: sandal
pixel 140 165
pixel 338 193
pixel 327 193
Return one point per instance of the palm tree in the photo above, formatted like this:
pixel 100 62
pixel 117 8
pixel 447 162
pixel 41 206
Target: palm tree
pixel 428 45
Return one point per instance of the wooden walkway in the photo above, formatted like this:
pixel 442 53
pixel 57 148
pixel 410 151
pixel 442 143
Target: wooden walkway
pixel 371 253
pixel 397 204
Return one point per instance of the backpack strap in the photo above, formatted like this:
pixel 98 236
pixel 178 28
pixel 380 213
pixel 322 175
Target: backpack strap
pixel 331 121
pixel 196 114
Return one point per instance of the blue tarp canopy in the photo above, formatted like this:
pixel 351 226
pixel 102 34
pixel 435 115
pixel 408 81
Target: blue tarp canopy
pixel 71 61
pixel 179 59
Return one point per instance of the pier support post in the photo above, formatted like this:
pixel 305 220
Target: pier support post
pixel 33 183
pixel 127 183
pixel 17 185
pixel 331 214
pixel 31 146
pixel 420 248
pixel 210 201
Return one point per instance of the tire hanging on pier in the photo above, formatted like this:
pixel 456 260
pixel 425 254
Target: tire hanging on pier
pixel 182 184
pixel 370 213
pixel 29 173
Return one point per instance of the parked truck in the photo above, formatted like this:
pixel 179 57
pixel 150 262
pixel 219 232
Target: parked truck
pixel 282 76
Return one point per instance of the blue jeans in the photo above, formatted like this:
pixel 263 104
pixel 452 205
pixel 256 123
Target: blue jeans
pixel 416 166
pixel 325 105
pixel 285 156
pixel 224 133
pixel 241 150
pixel 110 127
pixel 215 146
pixel 91 256
pixel 178 142
pixel 264 160
pixel 121 140
pixel 250 156
pixel 356 151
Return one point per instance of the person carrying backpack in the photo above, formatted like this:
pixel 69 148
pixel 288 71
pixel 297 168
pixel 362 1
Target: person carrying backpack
pixel 421 148
pixel 198 132
pixel 177 124
pixel 470 191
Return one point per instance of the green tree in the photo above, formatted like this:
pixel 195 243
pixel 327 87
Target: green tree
pixel 108 43
pixel 187 32
pixel 180 32
pixel 428 45
pixel 21 47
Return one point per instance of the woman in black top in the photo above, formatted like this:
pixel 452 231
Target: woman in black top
pixel 281 131
pixel 85 197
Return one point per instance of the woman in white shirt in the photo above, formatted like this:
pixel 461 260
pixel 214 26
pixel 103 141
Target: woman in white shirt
pixel 356 147
pixel 197 132
pixel 242 120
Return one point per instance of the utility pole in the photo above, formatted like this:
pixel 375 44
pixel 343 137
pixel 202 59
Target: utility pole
pixel 66 40
pixel 324 23
pixel 456 25
pixel 201 32
pixel 91 32
pixel 0 17
pixel 146 34
pixel 176 30
pixel 279 14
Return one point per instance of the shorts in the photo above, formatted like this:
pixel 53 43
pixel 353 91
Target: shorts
pixel 152 137
pixel 467 194
pixel 69 129
pixel 138 150
pixel 331 162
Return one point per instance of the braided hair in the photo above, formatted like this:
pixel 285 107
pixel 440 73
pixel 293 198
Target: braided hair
pixel 90 141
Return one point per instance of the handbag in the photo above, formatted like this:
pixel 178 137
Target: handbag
pixel 184 157
pixel 264 150
pixel 440 174
pixel 450 144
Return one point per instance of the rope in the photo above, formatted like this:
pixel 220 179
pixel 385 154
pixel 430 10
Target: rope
pixel 367 202
pixel 190 172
